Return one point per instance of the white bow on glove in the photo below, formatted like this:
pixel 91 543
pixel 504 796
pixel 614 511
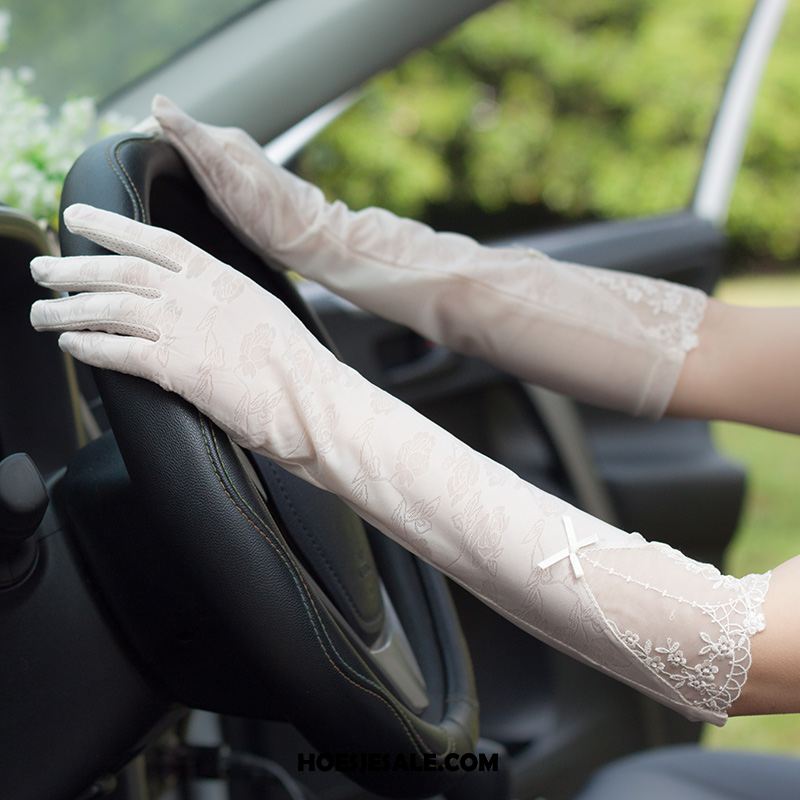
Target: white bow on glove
pixel 610 338
pixel 164 310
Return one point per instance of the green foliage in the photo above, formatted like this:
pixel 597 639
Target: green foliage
pixel 39 144
pixel 585 108
pixel 56 58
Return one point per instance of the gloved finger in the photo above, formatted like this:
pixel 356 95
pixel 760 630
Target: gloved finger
pixel 107 351
pixel 216 156
pixel 98 274
pixel 113 312
pixel 170 117
pixel 129 237
pixel 198 138
pixel 194 141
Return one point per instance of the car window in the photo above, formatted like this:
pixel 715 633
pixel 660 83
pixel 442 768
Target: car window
pixel 539 111
pixel 95 47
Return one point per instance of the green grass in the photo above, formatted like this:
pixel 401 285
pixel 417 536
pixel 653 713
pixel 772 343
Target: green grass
pixel 770 530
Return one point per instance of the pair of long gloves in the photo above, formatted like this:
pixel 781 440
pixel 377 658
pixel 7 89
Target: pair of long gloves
pixel 163 309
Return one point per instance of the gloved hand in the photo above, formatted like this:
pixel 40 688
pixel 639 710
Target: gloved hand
pixel 610 338
pixel 642 612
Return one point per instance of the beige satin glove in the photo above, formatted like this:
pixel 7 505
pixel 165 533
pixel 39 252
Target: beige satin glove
pixel 613 339
pixel 673 628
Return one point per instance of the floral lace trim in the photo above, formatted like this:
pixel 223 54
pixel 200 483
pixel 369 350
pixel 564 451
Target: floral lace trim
pixel 677 310
pixel 717 678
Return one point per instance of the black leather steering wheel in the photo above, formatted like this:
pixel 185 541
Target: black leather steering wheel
pixel 240 588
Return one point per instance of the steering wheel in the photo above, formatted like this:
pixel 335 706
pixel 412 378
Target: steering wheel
pixel 239 588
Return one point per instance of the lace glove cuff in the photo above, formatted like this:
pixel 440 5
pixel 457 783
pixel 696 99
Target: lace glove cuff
pixel 613 339
pixel 675 629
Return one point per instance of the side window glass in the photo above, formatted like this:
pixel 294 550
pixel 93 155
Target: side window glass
pixel 538 111
pixel 95 47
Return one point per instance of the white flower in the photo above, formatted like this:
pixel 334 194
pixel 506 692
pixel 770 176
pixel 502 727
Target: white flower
pixel 753 622
pixel 654 662
pixel 706 671
pixel 673 653
pixel 722 647
pixel 630 639
pixel 39 145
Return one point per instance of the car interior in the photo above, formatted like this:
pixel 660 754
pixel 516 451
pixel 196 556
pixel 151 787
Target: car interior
pixel 181 618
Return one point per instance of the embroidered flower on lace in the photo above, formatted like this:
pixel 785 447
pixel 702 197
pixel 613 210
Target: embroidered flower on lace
pixel 673 652
pixel 645 654
pixel 724 646
pixel 753 622
pixel 717 673
pixel 683 305
pixel 630 639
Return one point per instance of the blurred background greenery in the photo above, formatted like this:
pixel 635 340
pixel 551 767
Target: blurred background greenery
pixel 533 112
pixel 571 109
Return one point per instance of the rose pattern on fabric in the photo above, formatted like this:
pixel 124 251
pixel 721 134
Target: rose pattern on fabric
pixel 609 338
pixel 255 350
pixel 677 630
